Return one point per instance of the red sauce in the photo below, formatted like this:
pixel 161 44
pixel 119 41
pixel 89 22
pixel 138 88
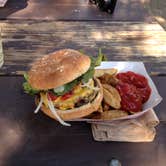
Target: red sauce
pixel 134 90
pixel 67 95
pixel 52 96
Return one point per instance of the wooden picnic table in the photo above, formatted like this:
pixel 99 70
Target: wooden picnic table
pixel 28 139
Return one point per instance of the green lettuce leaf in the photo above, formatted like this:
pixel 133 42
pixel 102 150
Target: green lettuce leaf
pixel 94 62
pixel 27 87
pixel 67 87
pixel 89 74
pixel 101 57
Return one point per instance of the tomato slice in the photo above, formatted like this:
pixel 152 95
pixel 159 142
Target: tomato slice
pixel 52 96
pixel 67 95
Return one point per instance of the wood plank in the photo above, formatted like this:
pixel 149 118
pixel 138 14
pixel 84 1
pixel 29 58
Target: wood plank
pixel 62 25
pixel 46 144
pixel 28 139
pixel 25 41
pixel 2 3
pixel 1 51
pixel 126 10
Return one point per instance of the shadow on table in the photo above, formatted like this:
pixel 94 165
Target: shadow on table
pixel 11 7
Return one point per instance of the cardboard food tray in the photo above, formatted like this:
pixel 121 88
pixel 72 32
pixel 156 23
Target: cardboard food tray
pixel 137 67
pixel 140 129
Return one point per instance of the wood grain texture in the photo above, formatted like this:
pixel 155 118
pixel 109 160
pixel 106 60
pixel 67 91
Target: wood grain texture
pixel 2 3
pixel 38 140
pixel 28 139
pixel 125 10
pixel 24 41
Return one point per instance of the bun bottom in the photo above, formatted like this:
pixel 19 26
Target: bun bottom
pixel 80 111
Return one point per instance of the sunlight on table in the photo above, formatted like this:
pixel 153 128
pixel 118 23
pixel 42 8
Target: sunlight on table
pixel 11 139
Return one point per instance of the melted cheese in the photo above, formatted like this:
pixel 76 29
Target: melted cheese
pixel 78 93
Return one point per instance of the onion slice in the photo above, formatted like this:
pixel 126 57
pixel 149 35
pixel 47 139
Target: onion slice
pixel 53 110
pixel 90 87
pixel 93 88
pixel 39 105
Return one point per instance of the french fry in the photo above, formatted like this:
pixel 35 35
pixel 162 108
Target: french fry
pixel 105 106
pixel 100 72
pixel 100 109
pixel 111 96
pixel 108 79
pixel 111 114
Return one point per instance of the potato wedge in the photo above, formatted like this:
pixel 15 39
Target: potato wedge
pixel 100 72
pixel 100 109
pixel 108 79
pixel 111 96
pixel 105 106
pixel 111 114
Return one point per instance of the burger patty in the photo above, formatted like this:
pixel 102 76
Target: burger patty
pixel 86 100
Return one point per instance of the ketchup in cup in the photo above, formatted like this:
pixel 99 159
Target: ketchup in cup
pixel 134 91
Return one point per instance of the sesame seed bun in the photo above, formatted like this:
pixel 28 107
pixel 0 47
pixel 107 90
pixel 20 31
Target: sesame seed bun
pixel 57 68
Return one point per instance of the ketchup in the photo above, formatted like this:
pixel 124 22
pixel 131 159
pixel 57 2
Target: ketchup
pixel 67 95
pixel 52 96
pixel 130 97
pixel 134 90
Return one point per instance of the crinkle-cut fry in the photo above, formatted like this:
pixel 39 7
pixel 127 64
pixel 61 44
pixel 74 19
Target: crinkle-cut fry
pixel 100 72
pixel 111 96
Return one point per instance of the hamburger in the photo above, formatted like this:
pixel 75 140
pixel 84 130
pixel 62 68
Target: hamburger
pixel 64 86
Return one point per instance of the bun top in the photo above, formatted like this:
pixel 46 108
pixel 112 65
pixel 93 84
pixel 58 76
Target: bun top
pixel 57 68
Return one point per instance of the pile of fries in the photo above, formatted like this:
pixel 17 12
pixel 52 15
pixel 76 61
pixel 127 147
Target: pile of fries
pixel 111 104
